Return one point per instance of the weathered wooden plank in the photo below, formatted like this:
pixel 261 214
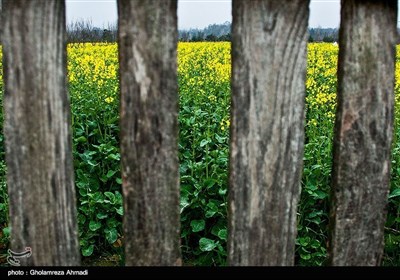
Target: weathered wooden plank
pixel 37 132
pixel 363 131
pixel 149 131
pixel 266 149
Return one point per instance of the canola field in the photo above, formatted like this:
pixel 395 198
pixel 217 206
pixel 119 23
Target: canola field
pixel 204 72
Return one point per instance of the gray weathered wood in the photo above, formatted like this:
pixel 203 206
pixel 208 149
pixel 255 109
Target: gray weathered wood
pixel 363 132
pixel 268 83
pixel 149 131
pixel 37 132
pixel 1 25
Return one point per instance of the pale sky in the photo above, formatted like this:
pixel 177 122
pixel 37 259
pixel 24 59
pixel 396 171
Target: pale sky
pixel 194 13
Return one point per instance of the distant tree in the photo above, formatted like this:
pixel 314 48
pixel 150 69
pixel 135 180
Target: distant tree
pixel 225 38
pixel 84 31
pixel 328 39
pixel 197 35
pixel 211 38
pixel 184 36
pixel 398 35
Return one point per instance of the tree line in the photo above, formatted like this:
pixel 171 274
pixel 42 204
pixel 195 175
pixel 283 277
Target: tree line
pixel 85 31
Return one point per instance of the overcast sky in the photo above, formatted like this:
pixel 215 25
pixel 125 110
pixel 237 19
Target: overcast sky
pixel 194 13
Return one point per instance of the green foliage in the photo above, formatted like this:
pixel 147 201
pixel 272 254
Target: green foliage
pixel 320 110
pixel 94 105
pixel 203 154
pixel 392 226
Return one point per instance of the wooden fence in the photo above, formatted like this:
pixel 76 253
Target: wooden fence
pixel 269 43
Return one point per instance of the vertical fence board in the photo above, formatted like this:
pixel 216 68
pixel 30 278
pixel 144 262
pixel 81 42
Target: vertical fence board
pixel 37 132
pixel 363 131
pixel 269 40
pixel 149 131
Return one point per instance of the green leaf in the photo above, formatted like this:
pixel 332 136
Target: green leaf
pixel 104 178
pixel 83 202
pixel 212 208
pixel 110 196
pixel 6 231
pixel 203 142
pixel 112 223
pixel 206 244
pixel 120 210
pixel 83 192
pixel 210 213
pixel 223 234
pixel 114 157
pixel 184 203
pixel 101 216
pixel 209 183
pixel 81 219
pixel 222 191
pixel 88 251
pixel 91 163
pixel 110 173
pixel 305 256
pixel 320 194
pixel 395 193
pixel 220 139
pixel 111 235
pixel 311 187
pixel 315 244
pixel 315 214
pixel 81 139
pixel 93 225
pixel 118 180
pixel 118 197
pixel 197 225
pixel 218 226
pixel 98 197
pixel 304 241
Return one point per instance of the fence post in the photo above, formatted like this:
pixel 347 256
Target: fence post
pixel 37 132
pixel 363 131
pixel 149 131
pixel 269 41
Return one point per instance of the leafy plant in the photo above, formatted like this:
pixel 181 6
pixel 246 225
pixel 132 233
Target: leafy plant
pixel 204 73
pixel 93 87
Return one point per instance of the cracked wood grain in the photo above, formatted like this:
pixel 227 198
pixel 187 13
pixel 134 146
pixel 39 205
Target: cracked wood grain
pixel 37 131
pixel 269 40
pixel 363 132
pixel 149 131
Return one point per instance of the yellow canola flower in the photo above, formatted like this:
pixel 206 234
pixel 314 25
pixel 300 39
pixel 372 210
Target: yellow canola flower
pixel 109 99
pixel 212 98
pixel 202 68
pixel 225 124
pixel 210 60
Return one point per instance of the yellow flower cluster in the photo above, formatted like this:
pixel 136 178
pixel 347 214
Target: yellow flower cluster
pixel 93 68
pixel 397 84
pixel 98 61
pixel 204 64
pixel 1 70
pixel 109 99
pixel 321 83
pixel 203 67
pixel 225 124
